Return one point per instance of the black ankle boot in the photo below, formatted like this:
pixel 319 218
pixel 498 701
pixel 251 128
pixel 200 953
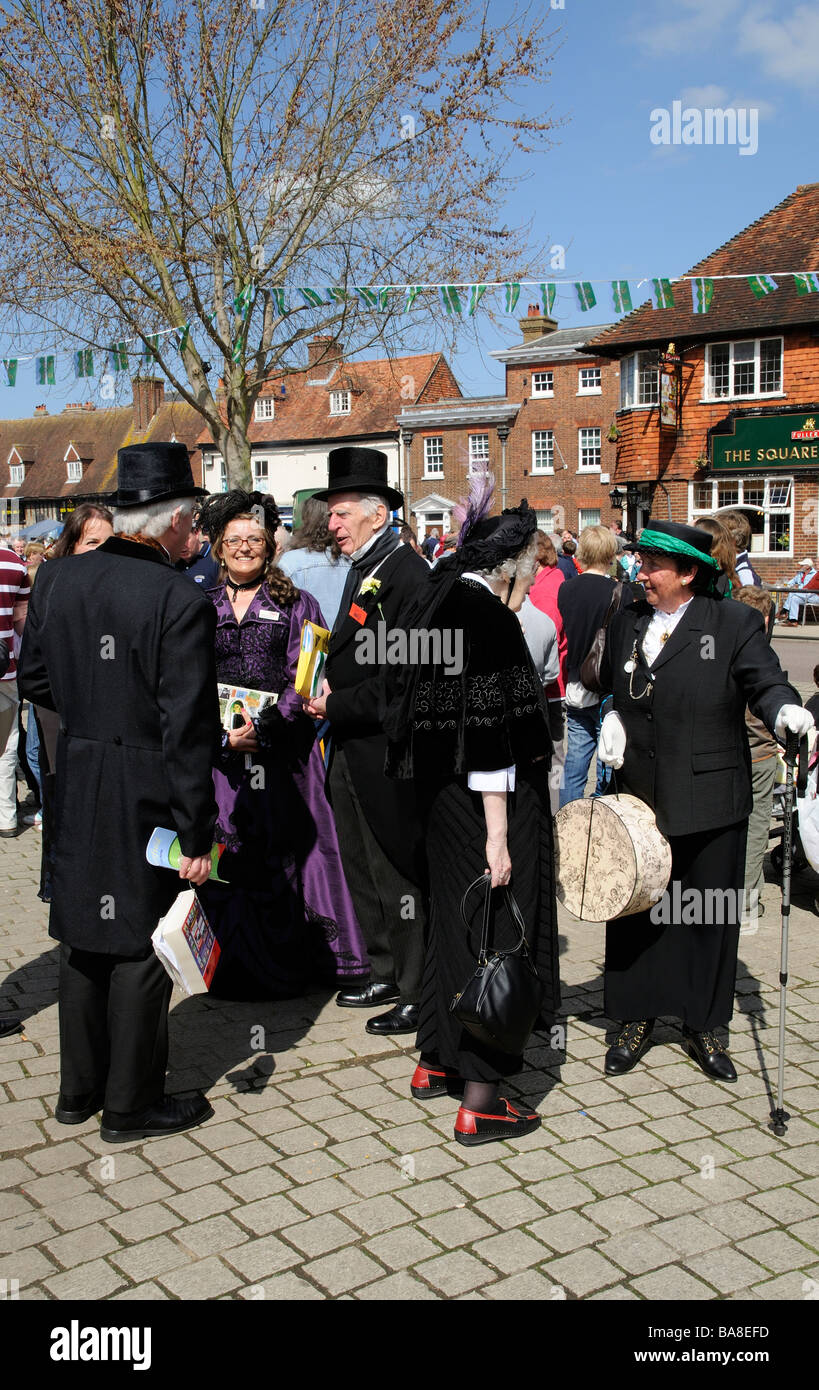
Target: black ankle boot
pixel 629 1046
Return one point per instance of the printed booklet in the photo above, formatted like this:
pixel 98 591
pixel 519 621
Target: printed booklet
pixel 312 657
pixel 238 703
pixel 186 945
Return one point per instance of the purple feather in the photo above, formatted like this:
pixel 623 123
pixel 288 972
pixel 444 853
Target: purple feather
pixel 472 509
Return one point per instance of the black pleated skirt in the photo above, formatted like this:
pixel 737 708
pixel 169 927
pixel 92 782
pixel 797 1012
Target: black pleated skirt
pixel 456 845
pixel 683 968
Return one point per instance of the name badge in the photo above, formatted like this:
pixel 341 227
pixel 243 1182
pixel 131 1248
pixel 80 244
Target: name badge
pixel 358 614
pixel 269 615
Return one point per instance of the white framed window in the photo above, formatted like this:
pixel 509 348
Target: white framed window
pixel 74 470
pixel 546 521
pixel 639 380
pixel 433 455
pixel 478 453
pixel 543 451
pixel 735 371
pixel 17 473
pixel 589 381
pixel 340 403
pixel 766 502
pixel 588 449
pixel 264 408
pixel 543 383
pixel 261 475
pixel 587 516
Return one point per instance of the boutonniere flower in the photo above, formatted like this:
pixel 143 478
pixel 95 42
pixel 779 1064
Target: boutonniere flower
pixel 370 586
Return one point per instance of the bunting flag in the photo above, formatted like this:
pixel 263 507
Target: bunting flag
pixel 762 285
pixel 410 295
pixel 476 294
pixel 10 364
pixel 808 283
pixel 119 357
pixel 236 355
pixel 84 362
pixel 45 371
pixel 241 304
pixel 548 293
pixel 702 292
pixel 512 296
pixel 586 298
pixel 279 300
pixel 450 299
pixel 314 299
pixel 182 337
pixel 372 298
pixel 336 296
pixel 150 349
pixel 662 294
pixel 621 297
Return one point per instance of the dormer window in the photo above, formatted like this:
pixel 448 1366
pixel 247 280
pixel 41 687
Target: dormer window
pixel 73 464
pixel 264 408
pixel 340 403
pixel 17 473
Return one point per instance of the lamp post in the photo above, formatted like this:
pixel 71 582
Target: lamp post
pixel 406 440
pixel 503 435
pixel 616 498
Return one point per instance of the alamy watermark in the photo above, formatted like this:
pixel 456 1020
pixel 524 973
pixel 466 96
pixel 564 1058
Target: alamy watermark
pixel 710 125
pixel 414 646
pixel 705 907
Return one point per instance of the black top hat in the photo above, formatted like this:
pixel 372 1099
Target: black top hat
pixel 152 472
pixel 674 538
pixel 359 470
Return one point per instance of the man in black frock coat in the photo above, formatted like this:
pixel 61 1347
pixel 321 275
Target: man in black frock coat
pixel 123 649
pixel 379 831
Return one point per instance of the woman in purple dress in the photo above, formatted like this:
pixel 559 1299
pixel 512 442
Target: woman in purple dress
pixel 285 916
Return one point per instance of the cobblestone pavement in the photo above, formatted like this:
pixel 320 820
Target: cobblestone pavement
pixel 319 1177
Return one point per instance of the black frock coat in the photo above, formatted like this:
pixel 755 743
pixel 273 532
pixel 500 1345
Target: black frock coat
pixel 356 710
pixel 687 756
pixel 122 647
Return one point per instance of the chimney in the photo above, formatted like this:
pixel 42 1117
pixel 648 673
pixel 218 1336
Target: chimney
pixel 74 405
pixel 40 410
pixel 536 324
pixel 149 394
pixel 323 351
pixel 88 405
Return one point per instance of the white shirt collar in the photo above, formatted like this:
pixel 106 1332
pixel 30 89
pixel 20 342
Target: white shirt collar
pixel 368 545
pixel 479 579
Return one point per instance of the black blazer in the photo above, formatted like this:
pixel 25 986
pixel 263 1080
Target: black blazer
pixel 123 648
pixel 356 709
pixel 687 751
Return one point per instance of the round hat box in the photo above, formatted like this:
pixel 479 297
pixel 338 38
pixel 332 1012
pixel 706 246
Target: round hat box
pixel 610 858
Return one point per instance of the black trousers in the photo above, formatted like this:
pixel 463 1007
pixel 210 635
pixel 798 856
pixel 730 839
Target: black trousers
pixel 390 909
pixel 113 1028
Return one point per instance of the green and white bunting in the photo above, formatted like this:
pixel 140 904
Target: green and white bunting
pixel 241 304
pixel 762 285
pixel 279 300
pixel 373 298
pixel 44 371
pixel 548 294
pixel 314 299
pixel 411 293
pixel 621 297
pixel 84 363
pixel 183 336
pixel 702 292
pixel 10 366
pixel 476 294
pixel 150 349
pixel 236 355
pixel 512 295
pixel 450 299
pixel 586 298
pixel 807 283
pixel 119 357
pixel 662 294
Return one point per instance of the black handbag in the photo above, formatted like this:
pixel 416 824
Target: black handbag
pixel 500 1003
pixel 593 660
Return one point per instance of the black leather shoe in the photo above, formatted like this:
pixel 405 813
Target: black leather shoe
pixel 710 1055
pixel 402 1019
pixel 73 1110
pixel 629 1046
pixel 170 1116
pixel 10 834
pixel 9 1026
pixel 367 996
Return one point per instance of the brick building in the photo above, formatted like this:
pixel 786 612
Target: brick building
pixel 544 439
pixel 51 463
pixel 747 372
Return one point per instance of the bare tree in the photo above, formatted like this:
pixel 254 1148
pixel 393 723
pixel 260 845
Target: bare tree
pixel 185 166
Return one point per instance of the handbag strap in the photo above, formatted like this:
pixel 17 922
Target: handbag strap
pixel 616 596
pixel 512 908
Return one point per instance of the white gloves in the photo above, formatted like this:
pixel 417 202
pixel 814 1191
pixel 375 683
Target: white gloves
pixel 792 719
pixel 611 745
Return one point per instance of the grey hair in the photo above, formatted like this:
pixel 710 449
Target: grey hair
pixel 520 566
pixel 369 502
pixel 154 518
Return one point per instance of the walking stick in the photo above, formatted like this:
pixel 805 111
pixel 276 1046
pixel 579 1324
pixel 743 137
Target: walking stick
pixel 796 757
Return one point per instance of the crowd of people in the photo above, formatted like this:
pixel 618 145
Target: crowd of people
pixel 355 823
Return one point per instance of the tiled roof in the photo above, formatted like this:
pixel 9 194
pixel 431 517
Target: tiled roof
pixel 786 238
pixel 378 389
pixel 43 440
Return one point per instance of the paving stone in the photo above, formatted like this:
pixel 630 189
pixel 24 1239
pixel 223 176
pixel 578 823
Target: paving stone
pixel 765 1172
pixel 737 1219
pixel 201 1202
pixel 401 1288
pixel 147 1292
pixel 582 1272
pixel 377 1214
pixel 269 1214
pixel 558 1194
pixel 402 1247
pixel 787 1287
pixel 56 1157
pixel 724 1186
pixel 200 1279
pixel 634 1139
pixel 402 1139
pixel 453 1228
pixel 565 1231
pixel 318 1234
pixel 310 1167
pixel 343 1271
pixel 805 1158
pixel 637 1251
pixel 661 1103
pixel 509 1209
pixel 163 1152
pixel 511 1251
pixel 612 1179
pixel 19 1231
pixel 585 1153
pixel 284 1288
pixel 747 1142
pixel 81 1211
pixel 244 1157
pixel 617 1214
pixel 784 1205
pixel 211 1236
pixel 670 1198
pixel 302 1139
pixel 659 1167
pixel 375 1178
pixel 58 1188
pixel 352 1126
pixel 427 1198
pixel 456 1272
pixel 807 1231
pixel 529 1285
pixel 672 1283
pixel 329 1194
pixel 14 1171
pixel 533 1167
pixel 27 1266
pixel 150 1258
pixel 14 1204
pixel 78 1247
pixel 259 1182
pixel 689 1235
pixel 97 1279
pixel 138 1191
pixel 776 1251
pixel 195 1172
pixel 486 1180
pixel 726 1269
pixel 142 1222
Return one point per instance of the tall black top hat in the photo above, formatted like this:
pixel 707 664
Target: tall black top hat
pixel 152 472
pixel 359 470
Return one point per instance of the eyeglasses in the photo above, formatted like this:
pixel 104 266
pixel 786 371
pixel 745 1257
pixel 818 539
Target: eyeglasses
pixel 252 542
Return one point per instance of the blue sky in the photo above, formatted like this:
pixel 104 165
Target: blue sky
pixel 622 206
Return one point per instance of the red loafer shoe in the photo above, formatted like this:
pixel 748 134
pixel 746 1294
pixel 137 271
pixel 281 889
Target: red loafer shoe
pixel 473 1127
pixel 428 1082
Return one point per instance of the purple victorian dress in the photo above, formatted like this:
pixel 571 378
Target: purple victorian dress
pixel 285 917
